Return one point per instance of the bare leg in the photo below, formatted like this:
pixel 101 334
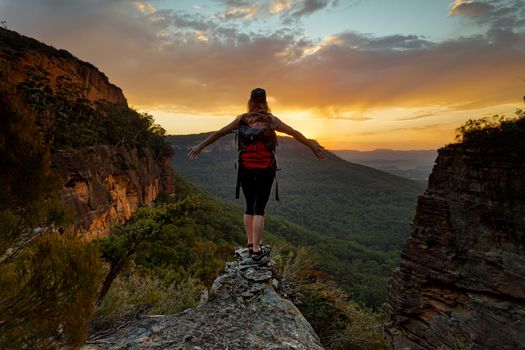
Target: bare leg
pixel 248 226
pixel 258 227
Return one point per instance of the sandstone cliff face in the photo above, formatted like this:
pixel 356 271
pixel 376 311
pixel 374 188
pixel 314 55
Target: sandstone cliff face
pixel 246 310
pixel 104 185
pixel 461 281
pixel 25 59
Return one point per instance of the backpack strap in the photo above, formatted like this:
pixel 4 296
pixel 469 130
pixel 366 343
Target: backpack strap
pixel 238 185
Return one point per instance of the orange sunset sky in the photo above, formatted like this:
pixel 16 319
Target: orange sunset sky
pixel 353 74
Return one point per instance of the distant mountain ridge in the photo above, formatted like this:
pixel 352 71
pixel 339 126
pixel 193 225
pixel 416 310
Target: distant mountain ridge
pixel 414 164
pixel 335 197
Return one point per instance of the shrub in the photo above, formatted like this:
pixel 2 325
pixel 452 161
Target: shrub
pixel 158 291
pixel 48 292
pixel 145 226
pixel 339 322
pixel 496 132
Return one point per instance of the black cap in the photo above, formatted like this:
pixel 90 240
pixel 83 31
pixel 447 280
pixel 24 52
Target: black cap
pixel 258 95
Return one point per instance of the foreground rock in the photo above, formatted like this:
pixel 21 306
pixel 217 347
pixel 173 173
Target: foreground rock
pixel 461 283
pixel 246 310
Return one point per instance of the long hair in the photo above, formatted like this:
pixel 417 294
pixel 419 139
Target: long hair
pixel 258 106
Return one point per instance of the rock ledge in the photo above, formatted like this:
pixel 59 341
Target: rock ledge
pixel 244 311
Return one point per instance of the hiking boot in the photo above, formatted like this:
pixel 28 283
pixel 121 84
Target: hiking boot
pixel 264 252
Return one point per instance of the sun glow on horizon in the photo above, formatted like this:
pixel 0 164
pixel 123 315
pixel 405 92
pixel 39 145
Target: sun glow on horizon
pixel 394 128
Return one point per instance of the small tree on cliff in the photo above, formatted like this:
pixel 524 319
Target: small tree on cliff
pixel 145 225
pixel 497 133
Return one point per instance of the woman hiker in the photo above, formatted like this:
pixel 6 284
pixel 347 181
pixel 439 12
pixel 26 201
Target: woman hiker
pixel 256 141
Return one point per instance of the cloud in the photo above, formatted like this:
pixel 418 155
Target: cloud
pixel 506 15
pixel 396 130
pixel 307 7
pixel 425 127
pixel 145 7
pixel 361 41
pixel 235 3
pixel 290 11
pixel 297 9
pixel 335 113
pixel 355 118
pixel 470 8
pixel 278 6
pixel 419 116
pixel 197 63
pixel 245 12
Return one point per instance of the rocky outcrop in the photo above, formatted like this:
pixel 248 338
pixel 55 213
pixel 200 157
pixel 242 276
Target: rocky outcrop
pixel 246 310
pixel 103 185
pixel 28 61
pixel 461 281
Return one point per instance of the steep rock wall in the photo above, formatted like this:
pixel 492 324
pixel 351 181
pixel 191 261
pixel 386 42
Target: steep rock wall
pixel 461 281
pixel 103 185
pixel 25 59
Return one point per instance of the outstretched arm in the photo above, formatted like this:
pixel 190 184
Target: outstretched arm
pixel 193 152
pixel 316 148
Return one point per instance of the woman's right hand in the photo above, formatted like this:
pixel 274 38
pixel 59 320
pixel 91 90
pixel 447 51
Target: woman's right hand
pixel 318 151
pixel 193 152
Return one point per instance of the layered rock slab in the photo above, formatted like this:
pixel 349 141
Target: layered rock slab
pixel 245 311
pixel 461 281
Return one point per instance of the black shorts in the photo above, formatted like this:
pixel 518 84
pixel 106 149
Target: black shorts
pixel 256 185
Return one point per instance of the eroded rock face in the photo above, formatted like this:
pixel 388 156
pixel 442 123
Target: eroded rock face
pixel 245 311
pixel 27 59
pixel 103 185
pixel 462 274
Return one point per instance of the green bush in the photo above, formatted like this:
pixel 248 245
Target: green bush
pixel 157 291
pixel 499 132
pixel 48 292
pixel 145 226
pixel 339 322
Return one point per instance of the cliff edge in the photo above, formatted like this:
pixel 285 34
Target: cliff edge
pixel 28 59
pixel 461 281
pixel 111 159
pixel 247 309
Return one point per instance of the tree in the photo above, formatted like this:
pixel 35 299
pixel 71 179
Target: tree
pixel 145 226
